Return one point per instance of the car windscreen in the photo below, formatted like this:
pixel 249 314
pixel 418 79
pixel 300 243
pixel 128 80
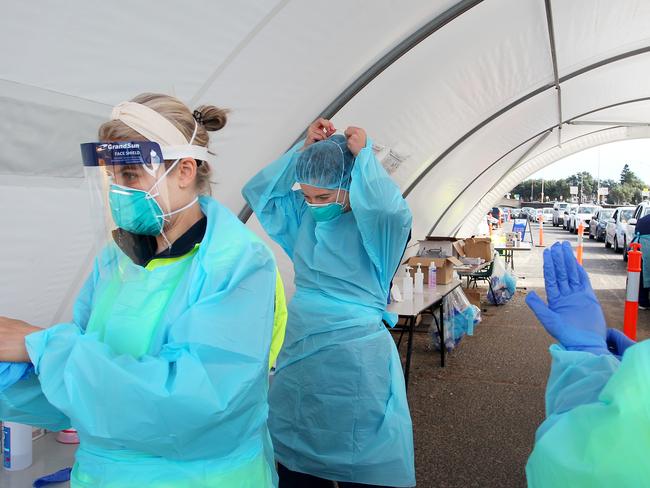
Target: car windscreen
pixel 626 214
pixel 586 210
pixel 605 214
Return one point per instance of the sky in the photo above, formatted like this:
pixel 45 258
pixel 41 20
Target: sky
pixel 636 153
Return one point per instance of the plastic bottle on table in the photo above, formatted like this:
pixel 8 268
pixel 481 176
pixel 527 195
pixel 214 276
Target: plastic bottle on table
pixel 419 280
pixel 407 284
pixel 432 275
pixel 16 446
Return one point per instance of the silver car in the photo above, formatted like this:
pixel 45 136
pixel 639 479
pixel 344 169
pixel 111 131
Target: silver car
pixel 598 225
pixel 616 227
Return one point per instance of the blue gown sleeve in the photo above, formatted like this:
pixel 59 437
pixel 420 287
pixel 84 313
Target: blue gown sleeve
pixel 210 377
pixel 383 217
pixel 598 430
pixel 22 399
pixel 576 378
pixel 278 208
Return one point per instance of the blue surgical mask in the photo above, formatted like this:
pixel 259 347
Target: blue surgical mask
pixel 137 211
pixel 322 212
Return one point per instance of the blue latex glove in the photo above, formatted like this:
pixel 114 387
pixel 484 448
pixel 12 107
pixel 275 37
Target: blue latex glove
pixel 617 342
pixel 573 314
pixel 54 478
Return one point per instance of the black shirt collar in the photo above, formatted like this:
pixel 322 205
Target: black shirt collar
pixel 142 249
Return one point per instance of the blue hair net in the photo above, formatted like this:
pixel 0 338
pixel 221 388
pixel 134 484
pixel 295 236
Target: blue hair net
pixel 326 164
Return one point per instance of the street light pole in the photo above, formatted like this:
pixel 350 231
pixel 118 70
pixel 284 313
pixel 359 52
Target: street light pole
pixel 532 185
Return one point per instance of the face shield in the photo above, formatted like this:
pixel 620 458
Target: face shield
pixel 128 183
pixel 134 193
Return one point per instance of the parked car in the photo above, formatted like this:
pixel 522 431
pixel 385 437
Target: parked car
pixel 598 224
pixel 547 213
pixel 558 213
pixel 583 214
pixel 616 228
pixel 526 212
pixel 566 215
pixel 641 210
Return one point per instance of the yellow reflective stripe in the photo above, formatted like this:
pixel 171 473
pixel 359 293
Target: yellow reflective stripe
pixel 158 262
pixel 279 319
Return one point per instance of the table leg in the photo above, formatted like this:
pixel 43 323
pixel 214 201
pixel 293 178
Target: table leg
pixel 443 346
pixel 512 260
pixel 409 350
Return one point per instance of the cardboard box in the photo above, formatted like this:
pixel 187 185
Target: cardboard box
pixel 479 247
pixel 473 295
pixel 444 268
pixel 444 245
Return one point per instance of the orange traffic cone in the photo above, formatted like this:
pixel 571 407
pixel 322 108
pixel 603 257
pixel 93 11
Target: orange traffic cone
pixel 632 295
pixel 581 230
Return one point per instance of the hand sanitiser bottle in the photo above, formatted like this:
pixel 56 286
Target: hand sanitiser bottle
pixel 432 275
pixel 419 280
pixel 16 446
pixel 407 284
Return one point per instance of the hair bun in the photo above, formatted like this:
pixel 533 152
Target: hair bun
pixel 211 117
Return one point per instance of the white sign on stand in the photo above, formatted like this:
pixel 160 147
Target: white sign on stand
pixel 603 191
pixel 573 190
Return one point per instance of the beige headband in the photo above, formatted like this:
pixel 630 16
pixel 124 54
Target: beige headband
pixel 158 129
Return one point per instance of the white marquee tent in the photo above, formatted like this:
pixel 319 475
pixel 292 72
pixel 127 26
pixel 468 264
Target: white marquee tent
pixel 466 98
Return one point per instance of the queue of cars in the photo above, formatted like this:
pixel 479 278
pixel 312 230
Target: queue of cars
pixel 613 226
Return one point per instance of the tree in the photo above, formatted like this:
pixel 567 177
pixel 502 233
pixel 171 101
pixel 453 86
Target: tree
pixel 625 174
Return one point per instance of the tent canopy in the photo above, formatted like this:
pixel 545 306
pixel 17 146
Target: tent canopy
pixel 466 98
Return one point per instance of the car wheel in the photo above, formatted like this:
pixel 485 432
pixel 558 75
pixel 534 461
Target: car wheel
pixel 616 247
pixel 607 243
pixel 625 249
pixel 591 236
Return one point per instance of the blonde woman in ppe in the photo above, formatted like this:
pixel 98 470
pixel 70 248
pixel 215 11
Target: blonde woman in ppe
pixel 163 369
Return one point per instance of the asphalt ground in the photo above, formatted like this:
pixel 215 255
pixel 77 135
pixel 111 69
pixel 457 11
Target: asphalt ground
pixel 475 420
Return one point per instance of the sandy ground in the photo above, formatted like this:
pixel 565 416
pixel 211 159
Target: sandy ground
pixel 475 419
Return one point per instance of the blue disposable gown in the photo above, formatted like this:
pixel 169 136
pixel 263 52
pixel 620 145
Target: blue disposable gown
pixel 338 401
pixel 192 411
pixel 597 430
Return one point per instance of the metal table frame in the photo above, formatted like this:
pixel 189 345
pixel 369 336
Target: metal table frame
pixel 509 253
pixel 437 302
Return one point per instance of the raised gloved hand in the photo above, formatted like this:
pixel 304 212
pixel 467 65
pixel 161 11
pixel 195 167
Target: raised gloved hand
pixel 573 314
pixel 617 342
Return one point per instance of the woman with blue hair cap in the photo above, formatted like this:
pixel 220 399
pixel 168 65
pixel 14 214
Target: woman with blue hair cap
pixel 338 401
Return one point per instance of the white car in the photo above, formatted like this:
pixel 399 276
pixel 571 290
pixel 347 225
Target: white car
pixel 583 214
pixel 640 211
pixel 616 228
pixel 558 213
pixel 547 213
pixel 566 215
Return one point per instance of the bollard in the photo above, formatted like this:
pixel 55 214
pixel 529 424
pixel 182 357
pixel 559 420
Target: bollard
pixel 632 295
pixel 541 231
pixel 581 229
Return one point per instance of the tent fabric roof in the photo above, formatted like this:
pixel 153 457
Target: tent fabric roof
pixel 468 96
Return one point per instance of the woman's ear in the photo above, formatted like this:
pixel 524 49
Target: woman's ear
pixel 186 172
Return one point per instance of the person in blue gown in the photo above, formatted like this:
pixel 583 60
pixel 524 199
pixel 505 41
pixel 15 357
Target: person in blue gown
pixel 338 401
